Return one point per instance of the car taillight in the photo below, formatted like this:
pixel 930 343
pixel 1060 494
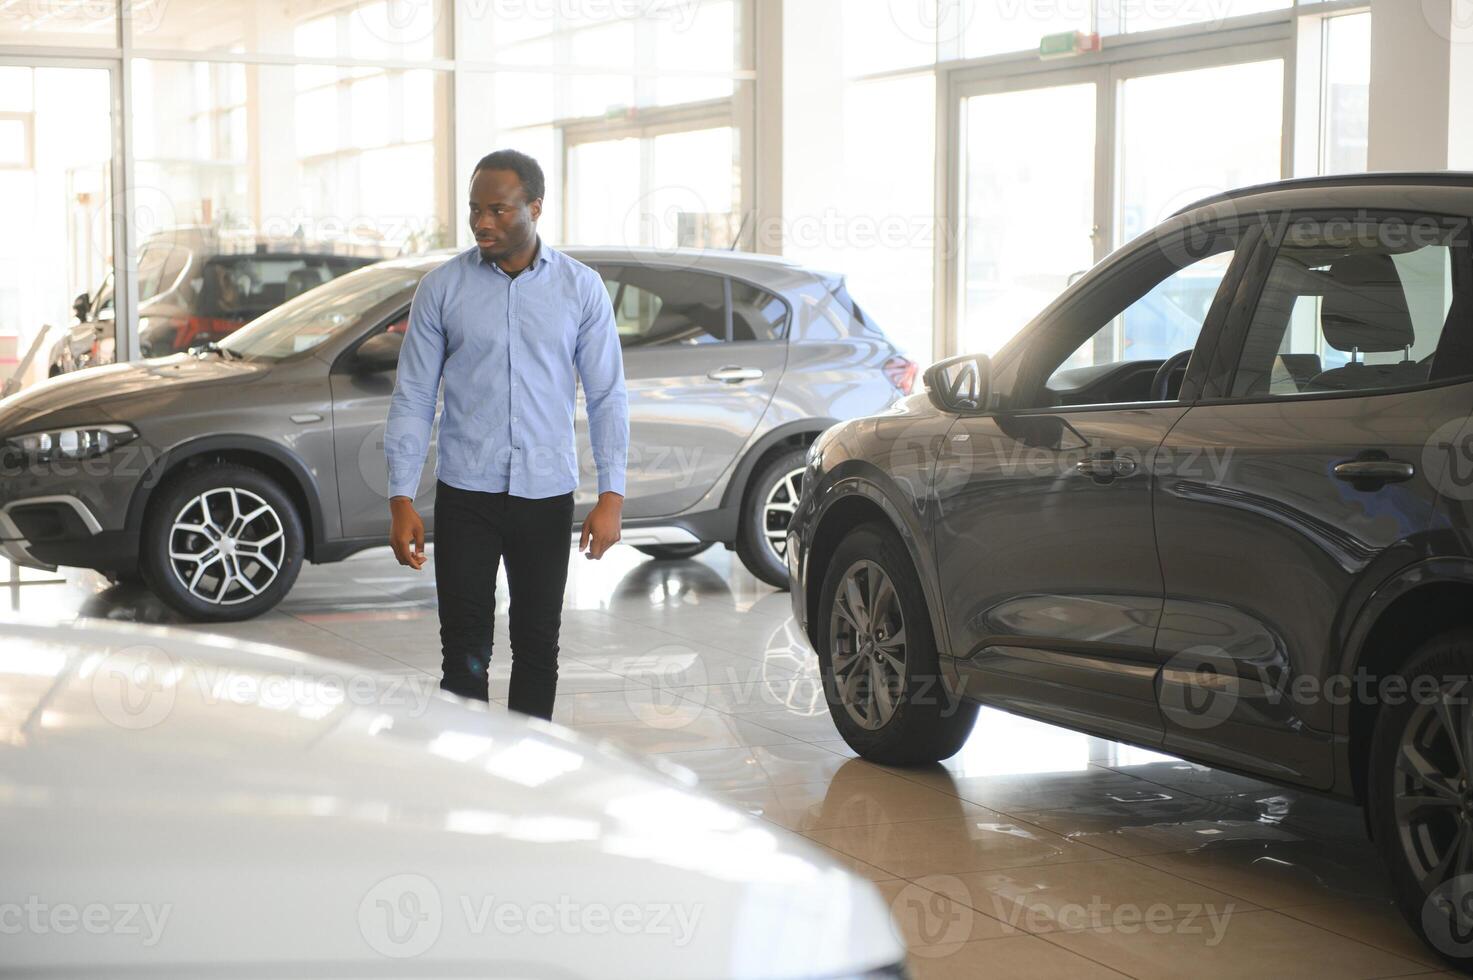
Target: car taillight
pixel 902 373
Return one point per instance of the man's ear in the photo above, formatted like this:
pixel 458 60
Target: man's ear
pixel 536 208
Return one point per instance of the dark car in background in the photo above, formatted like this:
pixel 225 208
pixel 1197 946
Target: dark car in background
pixel 199 285
pixel 215 473
pixel 1252 553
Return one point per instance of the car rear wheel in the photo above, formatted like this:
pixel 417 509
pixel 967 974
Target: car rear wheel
pixel 1421 794
pixel 767 510
pixel 673 552
pixel 877 656
pixel 223 543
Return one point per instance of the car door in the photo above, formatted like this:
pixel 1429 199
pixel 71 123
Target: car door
pixel 1050 582
pixel 698 376
pixel 1323 437
pixel 360 407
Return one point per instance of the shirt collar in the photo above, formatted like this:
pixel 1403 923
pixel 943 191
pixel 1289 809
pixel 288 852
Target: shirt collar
pixel 541 257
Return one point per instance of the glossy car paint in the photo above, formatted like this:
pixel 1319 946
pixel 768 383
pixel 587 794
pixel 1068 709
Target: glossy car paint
pixel 319 423
pixel 281 814
pixel 1080 601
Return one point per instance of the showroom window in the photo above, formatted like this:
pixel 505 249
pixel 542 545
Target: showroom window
pixel 639 114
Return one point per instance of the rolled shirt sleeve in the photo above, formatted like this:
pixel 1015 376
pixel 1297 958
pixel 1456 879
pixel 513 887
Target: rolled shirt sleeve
pixel 600 365
pixel 412 407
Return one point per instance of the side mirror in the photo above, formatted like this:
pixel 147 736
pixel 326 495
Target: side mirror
pixel 379 354
pixel 960 384
pixel 80 305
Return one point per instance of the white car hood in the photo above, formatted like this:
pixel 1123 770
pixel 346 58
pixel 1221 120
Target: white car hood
pixel 266 813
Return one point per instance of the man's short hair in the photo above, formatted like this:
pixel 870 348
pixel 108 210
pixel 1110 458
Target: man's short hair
pixel 527 170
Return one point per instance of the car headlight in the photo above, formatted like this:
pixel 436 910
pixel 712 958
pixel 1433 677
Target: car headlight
pixel 71 442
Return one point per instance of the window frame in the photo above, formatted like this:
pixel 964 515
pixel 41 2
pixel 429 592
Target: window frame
pixel 1234 338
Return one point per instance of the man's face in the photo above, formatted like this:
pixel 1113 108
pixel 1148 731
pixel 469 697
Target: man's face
pixel 502 219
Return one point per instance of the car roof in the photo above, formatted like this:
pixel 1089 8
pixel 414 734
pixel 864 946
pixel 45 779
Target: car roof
pixel 1460 179
pixel 214 241
pixel 773 271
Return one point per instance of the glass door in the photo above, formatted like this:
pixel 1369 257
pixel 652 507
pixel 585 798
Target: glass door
pixel 1057 168
pixel 56 258
pixel 1029 200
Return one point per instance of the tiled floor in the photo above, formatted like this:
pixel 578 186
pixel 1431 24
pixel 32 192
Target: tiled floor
pixel 1035 852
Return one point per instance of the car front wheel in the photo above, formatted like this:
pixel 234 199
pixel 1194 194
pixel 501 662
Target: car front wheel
pixel 1421 793
pixel 221 544
pixel 877 656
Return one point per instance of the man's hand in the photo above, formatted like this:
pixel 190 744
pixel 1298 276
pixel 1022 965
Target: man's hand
pixel 601 526
pixel 408 530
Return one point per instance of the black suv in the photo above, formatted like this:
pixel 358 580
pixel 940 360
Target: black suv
pixel 1254 553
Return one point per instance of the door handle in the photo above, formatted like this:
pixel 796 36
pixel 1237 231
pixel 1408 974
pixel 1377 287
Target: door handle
pixel 732 374
pixel 1105 467
pixel 1370 473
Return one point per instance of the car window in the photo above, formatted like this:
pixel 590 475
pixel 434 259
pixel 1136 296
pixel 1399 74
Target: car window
pixel 1359 304
pixel 245 286
pixel 757 314
pixel 1105 347
pixel 663 307
pixel 310 320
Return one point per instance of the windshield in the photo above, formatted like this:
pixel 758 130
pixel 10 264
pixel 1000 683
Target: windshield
pixel 303 323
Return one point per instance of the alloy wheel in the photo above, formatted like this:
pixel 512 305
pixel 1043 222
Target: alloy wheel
pixel 778 510
pixel 227 546
pixel 1432 790
pixel 868 636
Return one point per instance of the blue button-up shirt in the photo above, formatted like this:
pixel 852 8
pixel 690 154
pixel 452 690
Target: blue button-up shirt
pixel 507 349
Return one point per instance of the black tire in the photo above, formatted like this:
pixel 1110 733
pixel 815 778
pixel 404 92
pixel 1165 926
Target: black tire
pixel 752 542
pixel 1439 907
pixel 253 489
pixel 672 552
pixel 928 724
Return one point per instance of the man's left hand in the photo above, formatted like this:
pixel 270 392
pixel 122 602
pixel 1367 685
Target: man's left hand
pixel 601 526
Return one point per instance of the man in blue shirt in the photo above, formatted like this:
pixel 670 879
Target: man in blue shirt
pixel 505 325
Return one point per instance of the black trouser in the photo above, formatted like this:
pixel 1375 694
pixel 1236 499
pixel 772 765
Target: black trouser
pixel 474 531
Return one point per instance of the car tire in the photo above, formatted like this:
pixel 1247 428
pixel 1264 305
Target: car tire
pixel 767 506
pixel 925 723
pixel 672 552
pixel 1410 834
pixel 215 582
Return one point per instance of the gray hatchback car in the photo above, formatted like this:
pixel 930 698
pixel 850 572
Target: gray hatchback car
pixel 213 474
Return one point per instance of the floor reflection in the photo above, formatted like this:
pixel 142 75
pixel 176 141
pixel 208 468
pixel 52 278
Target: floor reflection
pixel 994 861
